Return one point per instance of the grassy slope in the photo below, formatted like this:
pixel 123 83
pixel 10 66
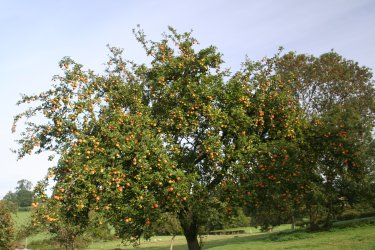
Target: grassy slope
pixel 349 238
pixel 361 236
pixel 344 236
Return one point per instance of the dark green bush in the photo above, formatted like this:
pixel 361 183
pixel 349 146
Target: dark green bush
pixel 349 214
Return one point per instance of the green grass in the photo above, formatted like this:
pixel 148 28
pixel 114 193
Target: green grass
pixel 353 234
pixel 362 237
pixel 21 218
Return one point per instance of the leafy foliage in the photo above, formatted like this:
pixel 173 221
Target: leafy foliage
pixel 7 230
pixel 137 140
pixel 272 177
pixel 184 137
pixel 23 196
pixel 338 98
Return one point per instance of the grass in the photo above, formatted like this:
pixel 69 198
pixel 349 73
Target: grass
pixel 353 234
pixel 21 218
pixel 362 237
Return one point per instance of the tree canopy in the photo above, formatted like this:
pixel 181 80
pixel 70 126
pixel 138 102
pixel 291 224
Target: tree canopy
pixel 182 135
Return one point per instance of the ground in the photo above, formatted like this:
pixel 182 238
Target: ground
pixel 354 234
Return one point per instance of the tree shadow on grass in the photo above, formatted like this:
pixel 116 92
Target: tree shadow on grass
pixel 215 242
pixel 283 236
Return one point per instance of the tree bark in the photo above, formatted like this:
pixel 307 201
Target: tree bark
pixel 193 243
pixel 190 228
pixel 293 223
pixel 314 225
pixel 172 241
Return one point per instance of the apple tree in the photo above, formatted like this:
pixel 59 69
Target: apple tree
pixel 138 140
pixel 178 135
pixel 271 177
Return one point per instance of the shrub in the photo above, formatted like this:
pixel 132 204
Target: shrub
pixel 6 227
pixel 349 214
pixel 24 209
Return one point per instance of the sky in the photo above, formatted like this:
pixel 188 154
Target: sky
pixel 36 35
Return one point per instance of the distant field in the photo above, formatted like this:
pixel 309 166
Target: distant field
pixel 355 234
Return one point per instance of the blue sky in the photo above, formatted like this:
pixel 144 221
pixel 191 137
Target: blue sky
pixel 35 35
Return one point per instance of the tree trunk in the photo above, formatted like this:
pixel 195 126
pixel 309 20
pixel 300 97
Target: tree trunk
pixel 193 243
pixel 329 219
pixel 314 225
pixel 190 229
pixel 172 241
pixel 293 223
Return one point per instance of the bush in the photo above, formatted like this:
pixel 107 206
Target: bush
pixel 349 214
pixel 24 209
pixel 168 224
pixel 98 228
pixel 367 214
pixel 11 207
pixel 288 236
pixel 220 221
pixel 239 219
pixel 6 227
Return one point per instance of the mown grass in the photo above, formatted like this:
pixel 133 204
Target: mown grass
pixel 353 234
pixel 21 218
pixel 362 237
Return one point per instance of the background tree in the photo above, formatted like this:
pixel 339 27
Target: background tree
pixel 24 185
pixel 10 200
pixel 168 224
pixel 323 82
pixel 48 215
pixel 342 162
pixel 74 232
pixel 23 195
pixel 338 98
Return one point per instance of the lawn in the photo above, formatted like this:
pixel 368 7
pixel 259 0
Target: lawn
pixel 354 234
pixel 21 218
pixel 362 237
